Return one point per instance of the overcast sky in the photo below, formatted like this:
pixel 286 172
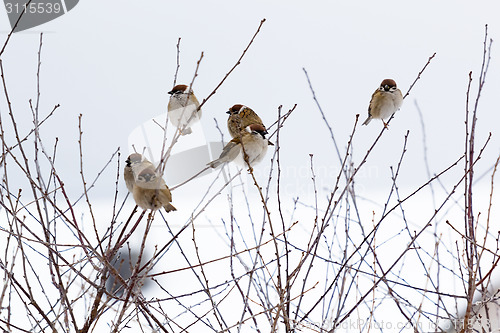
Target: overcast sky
pixel 114 62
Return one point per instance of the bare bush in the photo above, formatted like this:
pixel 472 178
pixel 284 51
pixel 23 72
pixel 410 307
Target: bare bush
pixel 290 265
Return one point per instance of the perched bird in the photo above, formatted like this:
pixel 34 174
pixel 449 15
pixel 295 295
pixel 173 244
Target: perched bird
pixel 386 100
pixel 241 116
pixel 146 185
pixel 183 108
pixel 252 141
pixel 128 174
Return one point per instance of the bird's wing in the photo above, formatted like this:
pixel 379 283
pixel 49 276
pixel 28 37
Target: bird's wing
pixel 370 105
pixel 195 101
pixel 166 190
pixel 229 153
pixel 249 117
pixel 231 150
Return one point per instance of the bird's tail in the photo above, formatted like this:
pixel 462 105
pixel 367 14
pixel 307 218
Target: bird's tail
pixel 214 164
pixel 169 207
pixel 367 121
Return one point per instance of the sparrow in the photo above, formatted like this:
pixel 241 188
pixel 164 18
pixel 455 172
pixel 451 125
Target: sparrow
pixel 183 108
pixel 252 141
pixel 386 100
pixel 241 116
pixel 128 174
pixel 146 185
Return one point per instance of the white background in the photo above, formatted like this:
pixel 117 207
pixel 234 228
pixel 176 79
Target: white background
pixel 114 62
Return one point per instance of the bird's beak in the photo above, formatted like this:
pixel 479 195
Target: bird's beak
pixel 387 88
pixel 171 92
pixel 228 112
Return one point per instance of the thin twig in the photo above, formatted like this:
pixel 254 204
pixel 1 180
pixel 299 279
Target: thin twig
pixel 235 65
pixel 15 26
pixel 178 61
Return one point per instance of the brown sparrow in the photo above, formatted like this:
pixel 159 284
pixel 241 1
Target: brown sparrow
pixel 128 174
pixel 254 143
pixel 146 185
pixel 386 100
pixel 241 116
pixel 183 108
